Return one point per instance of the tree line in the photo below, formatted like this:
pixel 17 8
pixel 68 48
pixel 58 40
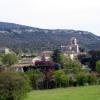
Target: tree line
pixel 15 85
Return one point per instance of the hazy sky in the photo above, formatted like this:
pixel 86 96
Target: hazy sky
pixel 53 14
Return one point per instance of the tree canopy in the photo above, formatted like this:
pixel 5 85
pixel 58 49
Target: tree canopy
pixel 98 66
pixel 9 59
pixel 72 66
pixel 58 57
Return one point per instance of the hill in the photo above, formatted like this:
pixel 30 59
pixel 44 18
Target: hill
pixel 78 93
pixel 26 38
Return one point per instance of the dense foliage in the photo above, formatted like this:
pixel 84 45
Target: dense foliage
pixel 13 86
pixel 62 80
pixel 72 66
pixel 9 59
pixel 71 73
pixel 36 78
pixel 58 57
pixel 84 78
pixel 98 66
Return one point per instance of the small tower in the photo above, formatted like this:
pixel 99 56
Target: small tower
pixel 73 41
pixel 74 45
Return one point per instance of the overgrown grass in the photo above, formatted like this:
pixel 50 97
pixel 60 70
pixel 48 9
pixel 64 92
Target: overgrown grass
pixel 74 93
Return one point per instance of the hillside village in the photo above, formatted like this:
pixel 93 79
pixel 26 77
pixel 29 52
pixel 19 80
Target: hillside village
pixel 49 49
pixel 69 66
pixel 71 51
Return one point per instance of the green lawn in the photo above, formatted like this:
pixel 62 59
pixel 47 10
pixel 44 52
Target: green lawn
pixel 78 93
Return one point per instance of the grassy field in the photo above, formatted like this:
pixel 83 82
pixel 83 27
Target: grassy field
pixel 78 93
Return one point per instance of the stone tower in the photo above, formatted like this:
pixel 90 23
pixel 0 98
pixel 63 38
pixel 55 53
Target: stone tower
pixel 73 41
pixel 74 45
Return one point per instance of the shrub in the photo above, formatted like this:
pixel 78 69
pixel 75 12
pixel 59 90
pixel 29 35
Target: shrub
pixel 36 77
pixel 13 86
pixel 9 59
pixel 61 78
pixel 72 66
pixel 92 79
pixel 98 66
pixel 82 79
pixel 72 80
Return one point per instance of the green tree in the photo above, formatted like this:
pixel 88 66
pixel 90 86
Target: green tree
pixel 61 78
pixel 92 79
pixel 58 57
pixel 94 53
pixel 72 66
pixel 13 86
pixel 36 77
pixel 98 66
pixel 86 78
pixel 9 59
pixel 82 78
pixel 62 60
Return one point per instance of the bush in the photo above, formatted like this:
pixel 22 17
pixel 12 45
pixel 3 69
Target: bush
pixel 72 80
pixel 9 59
pixel 98 66
pixel 92 79
pixel 36 78
pixel 13 86
pixel 61 78
pixel 86 78
pixel 72 66
pixel 82 79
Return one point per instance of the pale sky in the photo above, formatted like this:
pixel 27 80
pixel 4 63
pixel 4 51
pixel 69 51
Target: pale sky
pixel 53 14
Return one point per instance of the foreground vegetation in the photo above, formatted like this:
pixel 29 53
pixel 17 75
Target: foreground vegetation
pixel 13 86
pixel 60 72
pixel 75 93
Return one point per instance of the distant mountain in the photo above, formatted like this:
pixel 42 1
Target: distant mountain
pixel 25 38
pixel 8 26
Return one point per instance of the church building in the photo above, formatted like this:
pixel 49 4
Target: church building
pixel 73 46
pixel 72 50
